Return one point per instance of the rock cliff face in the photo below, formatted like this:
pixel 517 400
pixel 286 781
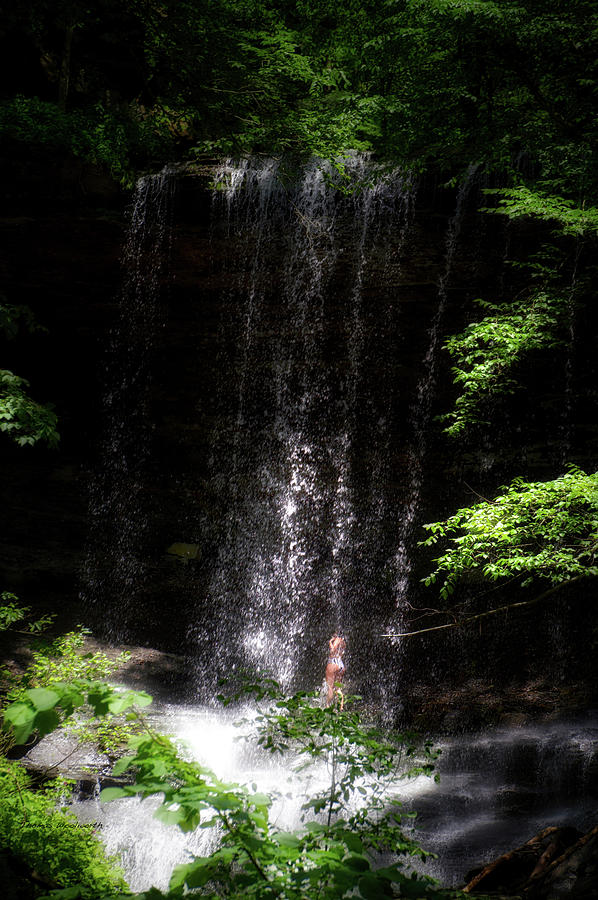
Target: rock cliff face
pixel 62 229
pixel 214 409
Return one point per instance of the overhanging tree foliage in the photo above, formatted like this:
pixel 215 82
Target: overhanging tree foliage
pixel 545 530
pixel 21 417
pixel 567 217
pixel 430 82
pixel 488 353
pixel 530 533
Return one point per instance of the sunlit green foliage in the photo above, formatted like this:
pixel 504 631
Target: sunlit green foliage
pixel 47 839
pixel 332 857
pixel 59 680
pixel 14 613
pixel 431 82
pixel 50 840
pixel 339 737
pixel 40 710
pixel 110 734
pixel 545 530
pixel 565 214
pixel 488 353
pixel 21 417
pixel 64 659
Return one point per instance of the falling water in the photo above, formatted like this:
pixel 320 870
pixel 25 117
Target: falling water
pixel 251 194
pixel 422 408
pixel 284 586
pixel 496 790
pixel 303 411
pixel 384 208
pixel 114 569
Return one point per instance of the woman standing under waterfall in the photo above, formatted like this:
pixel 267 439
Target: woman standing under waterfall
pixel 335 667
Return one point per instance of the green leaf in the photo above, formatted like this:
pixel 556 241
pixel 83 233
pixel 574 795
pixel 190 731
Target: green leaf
pixel 287 839
pixel 46 721
pixel 122 764
pixel 261 800
pixel 113 793
pixel 358 863
pixel 353 842
pixel 370 887
pixel 21 717
pixel 42 698
pixel 178 816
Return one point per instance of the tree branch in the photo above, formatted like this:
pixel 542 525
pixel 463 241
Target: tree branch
pixel 490 612
pixel 473 491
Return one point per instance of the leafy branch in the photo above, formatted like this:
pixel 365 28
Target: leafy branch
pixel 569 218
pixel 488 352
pixel 532 530
pixel 14 613
pixel 540 531
pixel 25 420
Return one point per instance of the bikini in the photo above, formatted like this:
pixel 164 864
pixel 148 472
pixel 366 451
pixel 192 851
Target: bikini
pixel 336 661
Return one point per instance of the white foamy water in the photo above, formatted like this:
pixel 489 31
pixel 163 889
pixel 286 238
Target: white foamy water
pixel 149 850
pixel 496 790
pixel 499 788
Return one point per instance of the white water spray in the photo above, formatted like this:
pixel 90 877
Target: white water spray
pixel 115 566
pixel 421 410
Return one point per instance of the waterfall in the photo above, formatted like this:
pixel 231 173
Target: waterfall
pixel 500 788
pixel 496 790
pixel 307 391
pixel 421 410
pixel 115 568
pixel 301 504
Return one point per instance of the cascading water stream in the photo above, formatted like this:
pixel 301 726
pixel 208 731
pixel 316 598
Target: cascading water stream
pixel 290 547
pixel 114 568
pixel 303 395
pixel 383 207
pixel 253 229
pixel 499 788
pixel 496 790
pixel 421 410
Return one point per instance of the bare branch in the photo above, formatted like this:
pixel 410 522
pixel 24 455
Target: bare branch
pixel 490 612
pixel 473 491
pixel 429 611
